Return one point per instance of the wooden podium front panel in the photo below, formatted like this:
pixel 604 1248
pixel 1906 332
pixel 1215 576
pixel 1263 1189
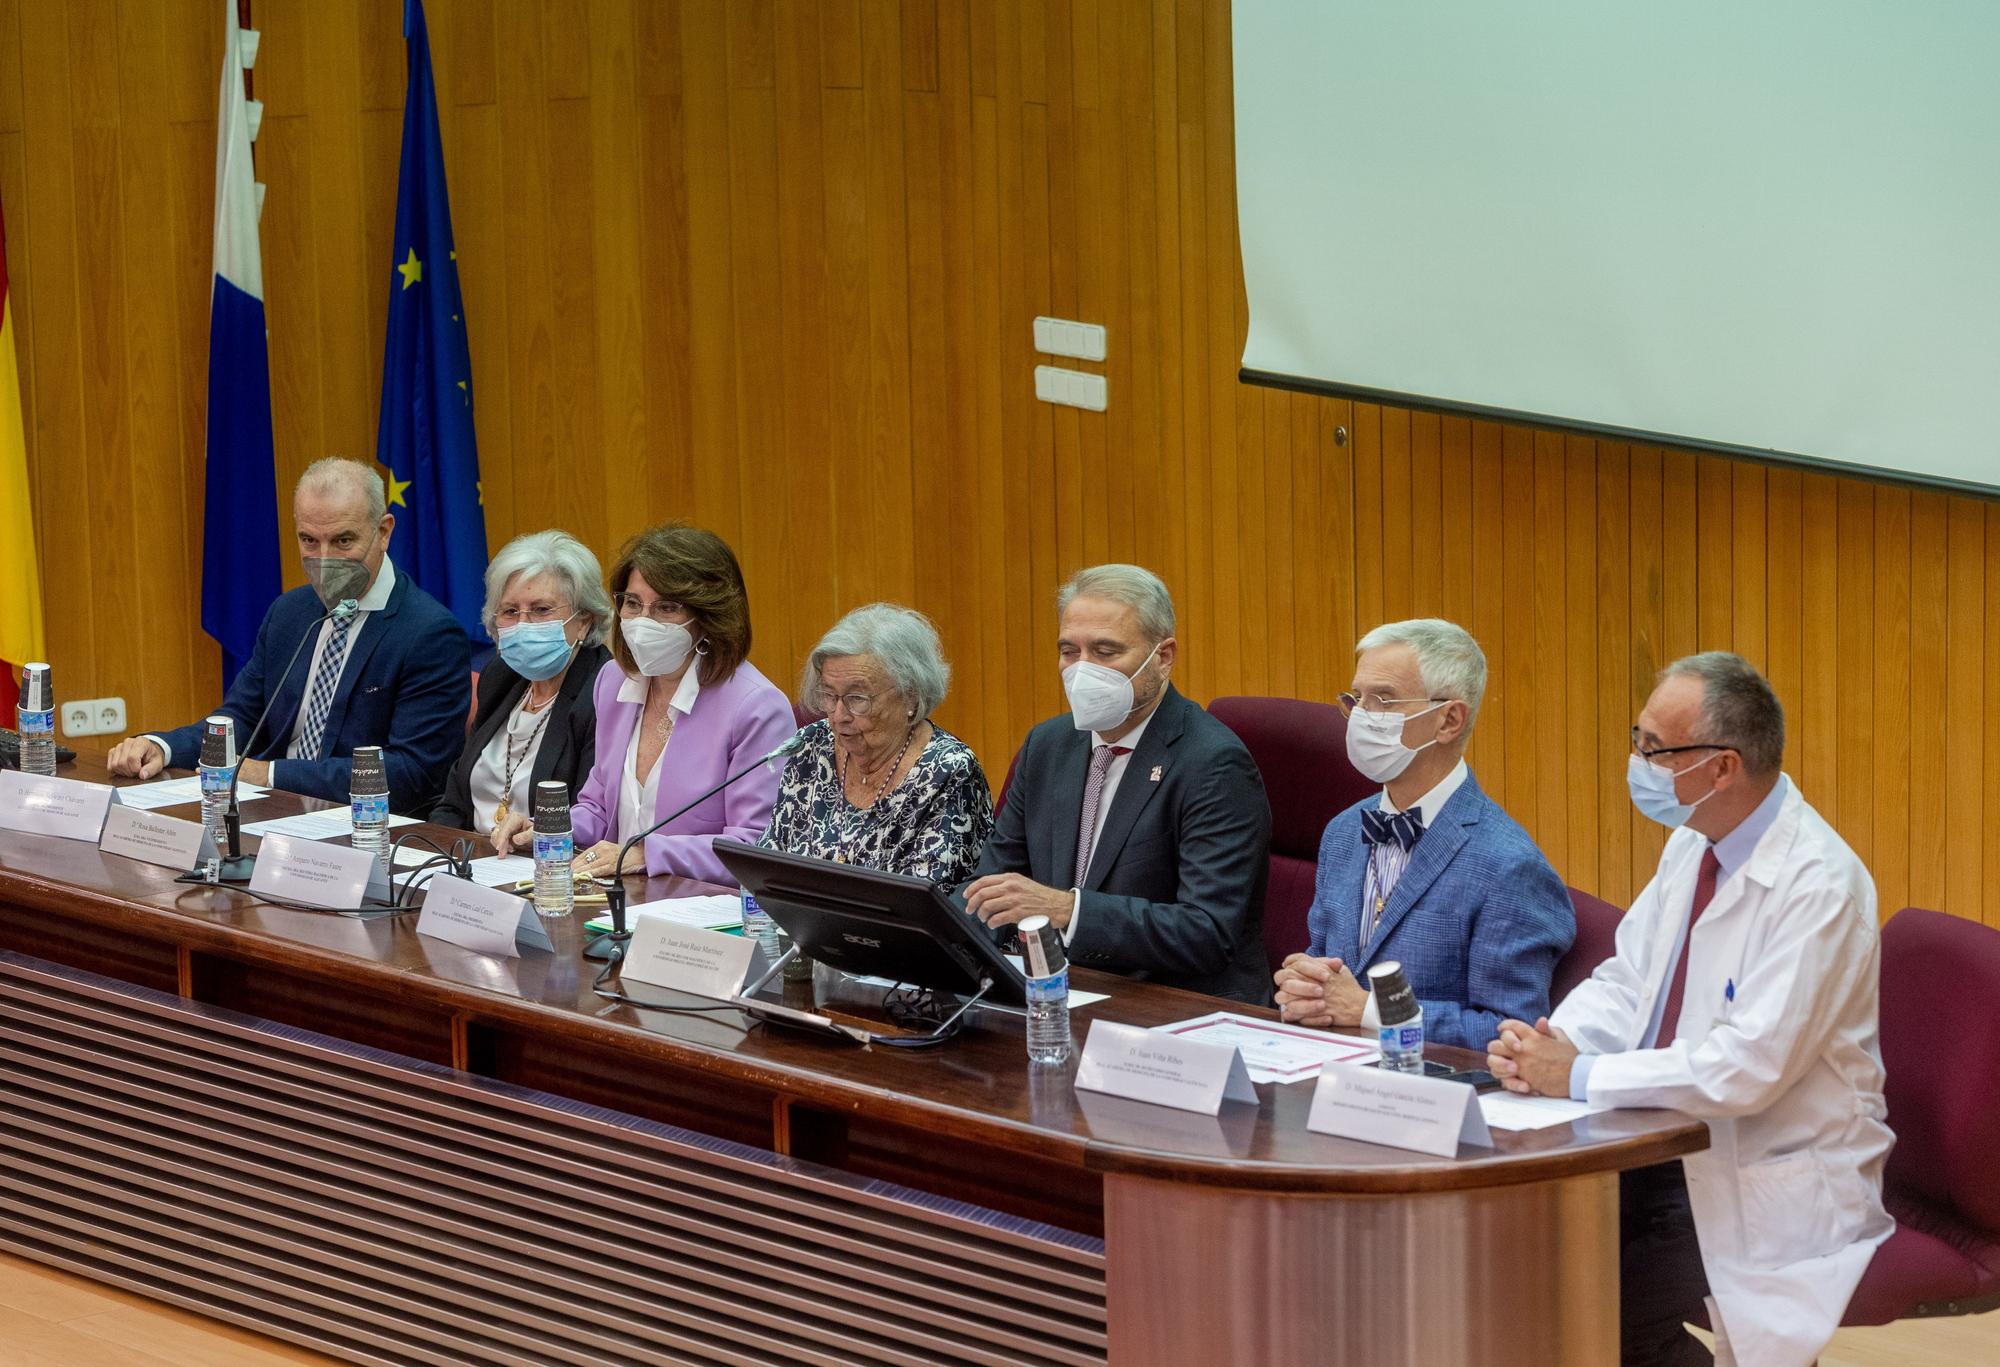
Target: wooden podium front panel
pixel 1508 1276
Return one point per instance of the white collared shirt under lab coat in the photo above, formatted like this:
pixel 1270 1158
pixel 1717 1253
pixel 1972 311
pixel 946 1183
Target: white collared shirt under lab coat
pixel 1787 1199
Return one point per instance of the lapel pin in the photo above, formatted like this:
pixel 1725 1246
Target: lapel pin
pixel 1156 772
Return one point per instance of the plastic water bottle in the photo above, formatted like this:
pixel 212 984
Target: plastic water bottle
pixel 758 926
pixel 1046 966
pixel 555 847
pixel 218 764
pixel 368 801
pixel 35 719
pixel 1399 1020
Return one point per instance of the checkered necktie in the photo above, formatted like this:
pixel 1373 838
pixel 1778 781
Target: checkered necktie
pixel 1093 792
pixel 326 679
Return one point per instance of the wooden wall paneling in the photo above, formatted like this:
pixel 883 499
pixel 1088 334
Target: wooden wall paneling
pixel 1617 878
pixel 1646 634
pixel 1244 664
pixel 1395 550
pixel 1855 635
pixel 583 476
pixel 165 580
pixel 473 77
pixel 1096 301
pixel 1749 542
pixel 1715 562
pixel 933 465
pixel 1036 525
pixel 1551 680
pixel 1370 563
pixel 1820 685
pixel 1925 658
pixel 761 399
pixel 624 451
pixel 1454 482
pixel 1487 496
pixel 996 627
pixel 1072 496
pixel 920 45
pixel 665 276
pixel 1893 723
pixel 806 558
pixel 891 493
pixel 1329 603
pixel 11 117
pixel 976 668
pixel 1581 729
pixel 1783 601
pixel 711 332
pixel 1965 814
pixel 1169 531
pixel 47 222
pixel 1029 630
pixel 569 41
pixel 1990 805
pixel 1428 550
pixel 1519 734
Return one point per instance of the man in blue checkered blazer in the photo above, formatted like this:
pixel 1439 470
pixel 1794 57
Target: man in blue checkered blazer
pixel 1431 874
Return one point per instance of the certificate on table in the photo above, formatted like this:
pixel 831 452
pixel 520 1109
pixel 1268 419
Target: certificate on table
pixel 1274 1051
pixel 328 823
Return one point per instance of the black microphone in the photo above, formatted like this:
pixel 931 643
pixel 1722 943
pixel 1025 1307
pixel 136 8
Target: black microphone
pixel 236 866
pixel 610 945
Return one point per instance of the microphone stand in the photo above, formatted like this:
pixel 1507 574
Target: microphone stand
pixel 237 866
pixel 609 945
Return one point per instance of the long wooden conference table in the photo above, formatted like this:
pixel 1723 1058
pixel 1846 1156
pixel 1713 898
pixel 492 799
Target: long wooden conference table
pixel 396 1151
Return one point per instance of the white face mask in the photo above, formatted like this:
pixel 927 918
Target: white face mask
pixel 1652 790
pixel 1375 743
pixel 657 647
pixel 1100 697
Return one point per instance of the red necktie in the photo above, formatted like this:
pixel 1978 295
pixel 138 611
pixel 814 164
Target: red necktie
pixel 1704 890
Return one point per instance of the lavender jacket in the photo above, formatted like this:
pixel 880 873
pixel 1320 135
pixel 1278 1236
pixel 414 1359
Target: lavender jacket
pixel 732 723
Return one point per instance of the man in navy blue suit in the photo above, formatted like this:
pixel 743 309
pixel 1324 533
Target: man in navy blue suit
pixel 1432 873
pixel 393 671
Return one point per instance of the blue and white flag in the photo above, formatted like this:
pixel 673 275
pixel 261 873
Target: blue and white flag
pixel 239 563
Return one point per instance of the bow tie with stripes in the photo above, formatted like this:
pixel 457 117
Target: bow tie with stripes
pixel 1403 829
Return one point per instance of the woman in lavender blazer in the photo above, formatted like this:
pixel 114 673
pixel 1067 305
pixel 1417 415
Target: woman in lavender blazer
pixel 679 708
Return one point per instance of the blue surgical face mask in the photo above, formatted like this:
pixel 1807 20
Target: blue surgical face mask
pixel 1653 790
pixel 535 650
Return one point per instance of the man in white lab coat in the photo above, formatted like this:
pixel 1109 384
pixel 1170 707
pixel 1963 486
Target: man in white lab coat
pixel 1743 991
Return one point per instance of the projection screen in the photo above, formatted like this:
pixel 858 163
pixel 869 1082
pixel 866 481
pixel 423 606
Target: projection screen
pixel 1770 227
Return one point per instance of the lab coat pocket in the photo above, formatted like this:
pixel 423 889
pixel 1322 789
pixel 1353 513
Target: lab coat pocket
pixel 1789 1210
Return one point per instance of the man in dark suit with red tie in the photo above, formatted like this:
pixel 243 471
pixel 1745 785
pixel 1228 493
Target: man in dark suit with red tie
pixel 1138 823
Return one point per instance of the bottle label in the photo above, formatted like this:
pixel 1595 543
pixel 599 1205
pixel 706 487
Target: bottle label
pixel 560 846
pixel 1053 988
pixel 36 725
pixel 1407 1038
pixel 369 809
pixel 215 780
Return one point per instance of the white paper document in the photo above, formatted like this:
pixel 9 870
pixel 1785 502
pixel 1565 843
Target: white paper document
pixel 328 824
pixel 172 792
pixel 1272 1050
pixel 1505 1111
pixel 494 871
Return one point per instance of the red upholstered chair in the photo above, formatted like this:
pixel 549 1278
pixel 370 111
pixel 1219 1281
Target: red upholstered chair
pixel 1301 750
pixel 1596 936
pixel 1941 1047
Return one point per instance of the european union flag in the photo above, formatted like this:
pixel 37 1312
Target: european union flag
pixel 426 440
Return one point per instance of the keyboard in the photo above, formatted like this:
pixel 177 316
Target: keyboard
pixel 10 750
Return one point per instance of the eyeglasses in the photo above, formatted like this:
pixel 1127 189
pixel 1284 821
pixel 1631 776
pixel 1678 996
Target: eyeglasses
pixel 1642 752
pixel 539 612
pixel 662 610
pixel 1375 702
pixel 857 704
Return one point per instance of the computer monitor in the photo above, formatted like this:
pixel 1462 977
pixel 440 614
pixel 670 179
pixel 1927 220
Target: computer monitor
pixel 875 924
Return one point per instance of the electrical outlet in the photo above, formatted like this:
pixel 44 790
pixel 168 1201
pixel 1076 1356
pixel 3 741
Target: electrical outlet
pixel 93 717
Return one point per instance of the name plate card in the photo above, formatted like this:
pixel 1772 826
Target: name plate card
pixel 488 920
pixel 1164 1069
pixel 41 804
pixel 168 841
pixel 1431 1115
pixel 687 958
pixel 292 868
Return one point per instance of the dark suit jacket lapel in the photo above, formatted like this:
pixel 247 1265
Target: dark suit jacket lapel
pixel 373 628
pixel 1071 765
pixel 1442 841
pixel 1137 788
pixel 556 740
pixel 495 716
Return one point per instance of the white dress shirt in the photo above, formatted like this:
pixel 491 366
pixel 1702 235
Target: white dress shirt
pixel 639 799
pixel 374 600
pixel 1112 774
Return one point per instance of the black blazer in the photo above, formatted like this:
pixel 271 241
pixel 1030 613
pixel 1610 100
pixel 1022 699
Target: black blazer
pixel 1175 890
pixel 569 745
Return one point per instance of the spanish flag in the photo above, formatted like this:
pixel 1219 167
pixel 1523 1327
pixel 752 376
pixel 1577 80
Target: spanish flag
pixel 20 577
